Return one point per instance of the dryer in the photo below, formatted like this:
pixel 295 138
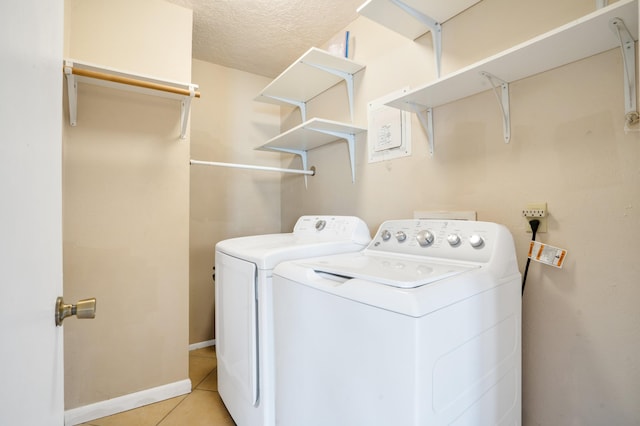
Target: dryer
pixel 243 314
pixel 423 327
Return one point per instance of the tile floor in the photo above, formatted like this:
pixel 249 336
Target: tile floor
pixel 202 406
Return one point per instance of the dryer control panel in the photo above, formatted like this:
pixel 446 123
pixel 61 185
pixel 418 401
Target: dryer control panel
pixel 448 239
pixel 333 228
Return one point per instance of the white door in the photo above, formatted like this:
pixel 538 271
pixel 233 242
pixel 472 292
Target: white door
pixel 31 364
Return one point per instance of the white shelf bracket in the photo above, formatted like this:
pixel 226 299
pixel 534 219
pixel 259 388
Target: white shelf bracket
pixel 351 141
pixel 503 101
pixel 185 107
pixel 347 77
pixel 300 104
pixel 627 45
pixel 351 144
pixel 426 119
pixel 303 158
pixel 436 30
pixel 72 93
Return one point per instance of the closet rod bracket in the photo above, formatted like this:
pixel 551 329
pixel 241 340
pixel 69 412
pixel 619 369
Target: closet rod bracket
pixel 351 144
pixel 72 93
pixel 627 46
pixel 303 157
pixel 185 107
pixel 501 90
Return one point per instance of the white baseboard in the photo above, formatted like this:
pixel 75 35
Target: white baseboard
pixel 201 345
pixel 126 402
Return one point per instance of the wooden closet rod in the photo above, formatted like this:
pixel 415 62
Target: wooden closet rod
pixel 132 82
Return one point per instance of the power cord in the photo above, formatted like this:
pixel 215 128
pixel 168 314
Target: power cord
pixel 534 223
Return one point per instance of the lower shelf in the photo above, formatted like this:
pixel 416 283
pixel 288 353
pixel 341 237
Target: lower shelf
pixel 313 134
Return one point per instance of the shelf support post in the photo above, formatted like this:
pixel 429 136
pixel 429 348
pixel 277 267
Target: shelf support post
pixel 72 93
pixel 627 45
pixel 503 101
pixel 436 30
pixel 426 119
pixel 347 77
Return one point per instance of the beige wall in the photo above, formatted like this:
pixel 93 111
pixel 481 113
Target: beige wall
pixel 126 204
pixel 568 148
pixel 226 126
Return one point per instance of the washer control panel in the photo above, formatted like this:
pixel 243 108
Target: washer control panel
pixel 452 239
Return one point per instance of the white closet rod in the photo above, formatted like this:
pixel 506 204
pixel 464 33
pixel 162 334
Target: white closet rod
pixel 250 167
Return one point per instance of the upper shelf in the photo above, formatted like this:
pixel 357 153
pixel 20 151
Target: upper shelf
pixel 404 17
pixel 311 74
pixel 579 39
pixel 76 72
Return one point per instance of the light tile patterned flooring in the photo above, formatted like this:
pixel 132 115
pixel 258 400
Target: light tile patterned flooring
pixel 202 406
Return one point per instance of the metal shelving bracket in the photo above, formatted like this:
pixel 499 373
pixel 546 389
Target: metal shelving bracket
pixel 627 46
pixel 185 107
pixel 434 26
pixel 303 157
pixel 302 105
pixel 72 92
pixel 351 143
pixel 426 119
pixel 503 101
pixel 347 77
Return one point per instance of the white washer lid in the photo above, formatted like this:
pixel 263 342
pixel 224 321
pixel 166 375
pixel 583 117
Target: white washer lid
pixel 395 271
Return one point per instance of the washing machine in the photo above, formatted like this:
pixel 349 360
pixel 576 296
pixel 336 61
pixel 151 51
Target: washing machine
pixel 243 314
pixel 423 327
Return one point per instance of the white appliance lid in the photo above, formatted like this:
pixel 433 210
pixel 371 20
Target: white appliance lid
pixel 312 236
pixel 395 271
pixel 266 251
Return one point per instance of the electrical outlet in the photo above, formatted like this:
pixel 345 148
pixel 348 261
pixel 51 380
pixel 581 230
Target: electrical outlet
pixel 536 211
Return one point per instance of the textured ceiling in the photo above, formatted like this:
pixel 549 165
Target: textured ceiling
pixel 264 36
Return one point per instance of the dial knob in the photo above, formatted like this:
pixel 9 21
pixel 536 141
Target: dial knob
pixel 453 239
pixel 401 236
pixel 476 241
pixel 425 238
pixel 385 235
pixel 321 224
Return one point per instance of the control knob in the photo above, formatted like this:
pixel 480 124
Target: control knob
pixel 385 235
pixel 321 224
pixel 425 238
pixel 453 239
pixel 401 236
pixel 476 241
